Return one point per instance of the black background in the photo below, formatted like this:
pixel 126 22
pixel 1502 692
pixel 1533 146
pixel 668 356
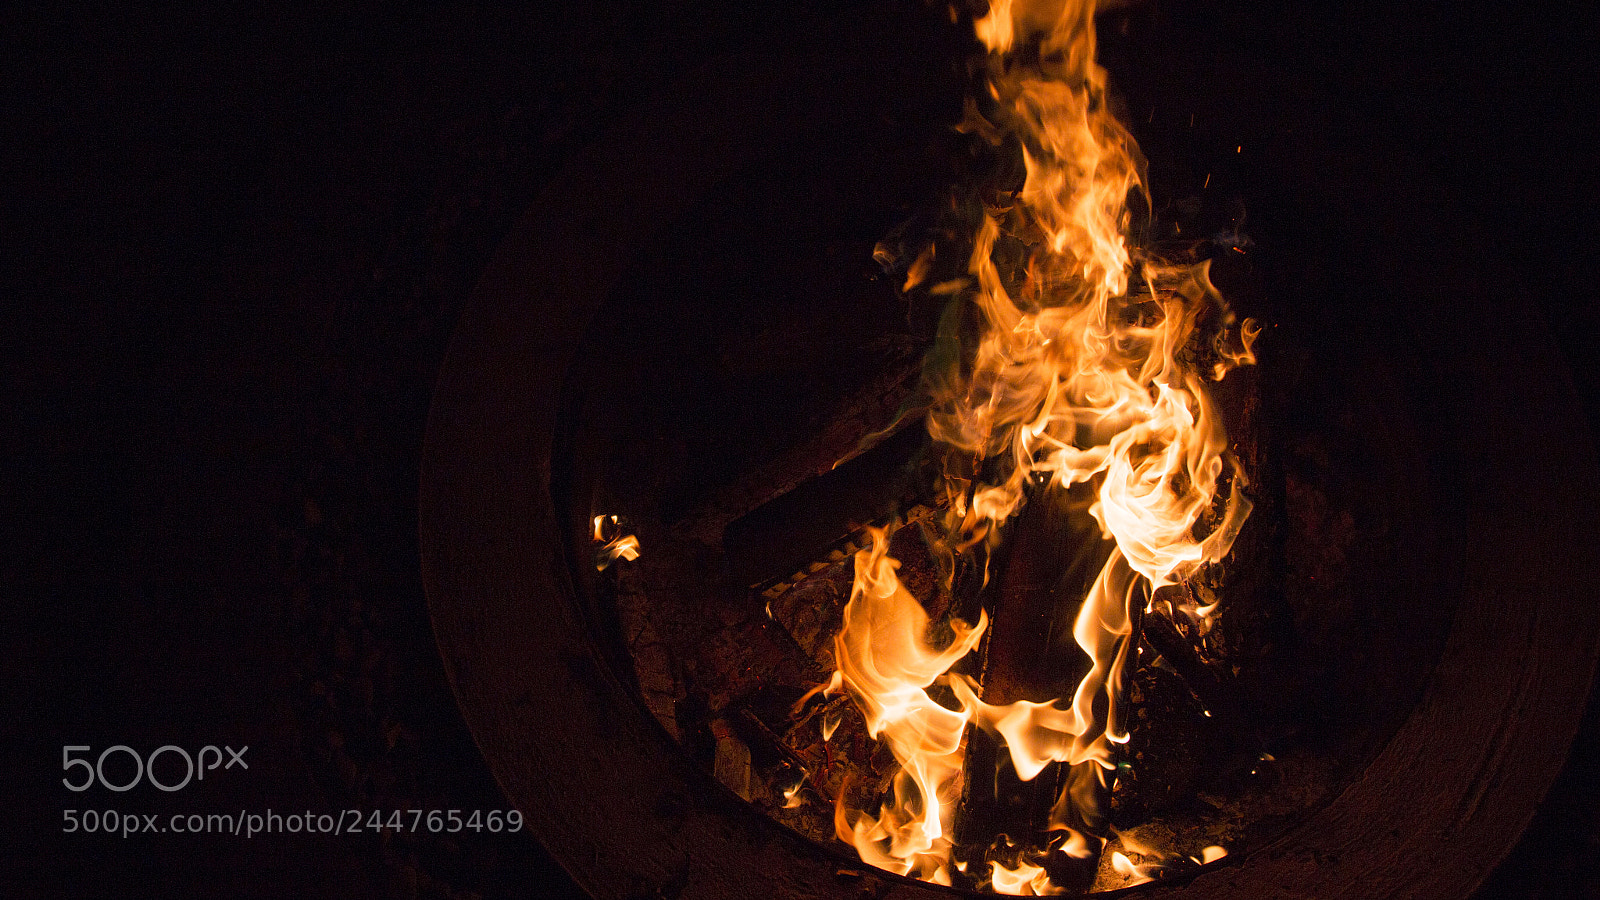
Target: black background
pixel 238 242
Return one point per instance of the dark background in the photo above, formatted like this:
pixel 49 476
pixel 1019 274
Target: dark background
pixel 237 244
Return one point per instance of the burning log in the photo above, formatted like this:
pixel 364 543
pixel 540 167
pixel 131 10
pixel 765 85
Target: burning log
pixel 1051 557
pixel 1053 552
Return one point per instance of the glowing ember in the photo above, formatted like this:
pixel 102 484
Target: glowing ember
pixel 1087 365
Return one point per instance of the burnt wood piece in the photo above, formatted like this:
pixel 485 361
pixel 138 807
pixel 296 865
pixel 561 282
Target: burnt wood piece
pixel 1171 741
pixel 790 531
pixel 683 638
pixel 1054 552
pixel 883 404
pixel 764 739
pixel 1208 687
pixel 811 610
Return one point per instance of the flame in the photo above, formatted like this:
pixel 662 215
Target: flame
pixel 1087 367
pixel 791 796
pixel 618 545
pixel 1158 863
pixel 1026 880
pixel 886 663
pixel 830 722
pixel 1127 868
pixel 1081 846
pixel 1210 855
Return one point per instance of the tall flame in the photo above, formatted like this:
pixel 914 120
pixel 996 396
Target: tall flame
pixel 1069 377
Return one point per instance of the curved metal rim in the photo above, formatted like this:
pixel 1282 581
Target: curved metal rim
pixel 608 793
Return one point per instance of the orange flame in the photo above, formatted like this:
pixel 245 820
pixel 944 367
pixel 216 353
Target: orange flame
pixel 886 663
pixel 1071 378
pixel 614 543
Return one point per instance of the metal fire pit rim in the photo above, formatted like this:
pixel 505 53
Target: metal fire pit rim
pixel 604 788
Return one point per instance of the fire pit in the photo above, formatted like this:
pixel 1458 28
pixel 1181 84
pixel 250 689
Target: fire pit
pixel 686 335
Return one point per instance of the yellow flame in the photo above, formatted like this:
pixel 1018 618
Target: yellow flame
pixel 792 798
pixel 886 663
pixel 1026 880
pixel 1127 868
pixel 830 723
pixel 1081 846
pixel 1069 379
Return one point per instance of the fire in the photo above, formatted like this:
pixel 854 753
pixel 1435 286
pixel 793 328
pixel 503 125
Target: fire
pixel 1088 365
pixel 615 543
pixel 886 664
pixel 1138 873
pixel 1026 880
pixel 1127 868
